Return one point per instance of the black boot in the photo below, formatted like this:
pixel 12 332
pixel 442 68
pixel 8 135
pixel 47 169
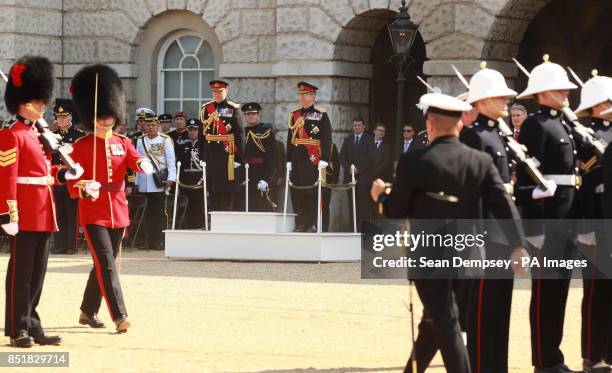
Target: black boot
pixel 23 340
pixel 91 320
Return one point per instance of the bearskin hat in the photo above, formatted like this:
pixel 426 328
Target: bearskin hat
pixel 30 78
pixel 111 98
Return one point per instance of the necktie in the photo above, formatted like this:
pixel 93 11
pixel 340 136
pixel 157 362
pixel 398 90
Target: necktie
pixel 377 144
pixel 516 135
pixel 357 139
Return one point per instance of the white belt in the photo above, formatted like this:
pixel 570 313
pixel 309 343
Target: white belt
pixel 509 188
pixel 599 189
pixel 35 180
pixel 567 180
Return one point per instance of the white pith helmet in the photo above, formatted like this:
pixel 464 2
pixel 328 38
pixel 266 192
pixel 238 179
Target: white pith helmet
pixel 488 83
pixel 596 90
pixel 547 76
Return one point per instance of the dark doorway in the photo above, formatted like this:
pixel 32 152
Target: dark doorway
pixel 383 103
pixel 575 33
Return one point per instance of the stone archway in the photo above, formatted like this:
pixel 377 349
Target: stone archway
pixel 365 40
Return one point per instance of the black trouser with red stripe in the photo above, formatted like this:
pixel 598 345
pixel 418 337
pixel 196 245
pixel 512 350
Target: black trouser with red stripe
pixel 104 244
pixel 596 304
pixel 425 346
pixel 24 282
pixel 439 303
pixel 547 307
pixel 488 325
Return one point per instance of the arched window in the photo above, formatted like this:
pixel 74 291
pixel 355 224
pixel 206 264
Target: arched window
pixel 186 64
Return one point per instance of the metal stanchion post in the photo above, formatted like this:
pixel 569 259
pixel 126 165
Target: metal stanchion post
pixel 176 193
pixel 203 164
pixel 319 210
pixel 246 197
pixel 286 194
pixel 354 203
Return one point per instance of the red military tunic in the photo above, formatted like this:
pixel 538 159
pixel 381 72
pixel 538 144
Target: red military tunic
pixel 26 179
pixel 114 156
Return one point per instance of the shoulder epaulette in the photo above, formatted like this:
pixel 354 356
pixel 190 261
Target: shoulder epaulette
pixel 296 109
pixel 320 109
pixel 233 104
pixel 208 103
pixel 139 137
pixel 122 136
pixel 266 125
pixel 164 135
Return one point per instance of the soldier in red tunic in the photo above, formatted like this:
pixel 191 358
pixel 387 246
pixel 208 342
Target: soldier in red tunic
pixel 27 210
pixel 103 209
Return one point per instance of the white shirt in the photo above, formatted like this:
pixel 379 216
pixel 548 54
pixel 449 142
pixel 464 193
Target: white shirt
pixel 161 150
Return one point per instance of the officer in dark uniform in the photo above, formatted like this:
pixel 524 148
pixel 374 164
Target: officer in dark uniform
pixel 309 140
pixel 179 133
pixel 164 123
pixel 596 97
pixel 466 174
pixel 222 146
pixel 65 240
pixel 259 154
pixel 548 137
pixel 191 175
pixel 607 213
pixel 488 330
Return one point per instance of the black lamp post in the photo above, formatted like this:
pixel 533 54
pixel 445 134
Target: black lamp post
pixel 402 32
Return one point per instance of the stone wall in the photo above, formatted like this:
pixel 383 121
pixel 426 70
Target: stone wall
pixel 264 47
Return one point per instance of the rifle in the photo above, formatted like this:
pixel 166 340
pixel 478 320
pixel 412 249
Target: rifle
pixel 51 141
pixel 517 150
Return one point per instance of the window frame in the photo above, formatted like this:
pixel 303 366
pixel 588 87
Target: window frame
pixel 161 82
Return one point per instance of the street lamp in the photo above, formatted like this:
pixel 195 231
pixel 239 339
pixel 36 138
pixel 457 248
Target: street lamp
pixel 402 32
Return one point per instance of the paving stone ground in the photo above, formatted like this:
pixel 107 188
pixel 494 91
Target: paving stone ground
pixel 202 316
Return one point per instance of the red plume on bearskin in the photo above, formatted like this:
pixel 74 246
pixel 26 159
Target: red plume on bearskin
pixel 16 73
pixel 31 78
pixel 111 98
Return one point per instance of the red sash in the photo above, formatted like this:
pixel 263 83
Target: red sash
pixel 312 145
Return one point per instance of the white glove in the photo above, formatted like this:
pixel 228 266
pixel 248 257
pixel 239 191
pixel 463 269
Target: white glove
pixel 11 228
pixel 289 166
pixel 93 189
pixel 146 167
pixel 262 185
pixel 236 164
pixel 539 193
pixel 323 165
pixel 75 173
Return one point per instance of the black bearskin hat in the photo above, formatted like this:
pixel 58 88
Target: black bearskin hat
pixel 111 98
pixel 30 78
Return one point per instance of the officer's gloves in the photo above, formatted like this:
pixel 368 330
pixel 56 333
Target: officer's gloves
pixel 75 173
pixel 539 193
pixel 146 167
pixel 323 165
pixel 236 164
pixel 11 228
pixel 262 186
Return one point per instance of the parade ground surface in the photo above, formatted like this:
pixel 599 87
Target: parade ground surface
pixel 203 316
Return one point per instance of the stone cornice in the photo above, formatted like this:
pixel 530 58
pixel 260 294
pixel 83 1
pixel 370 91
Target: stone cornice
pixel 285 68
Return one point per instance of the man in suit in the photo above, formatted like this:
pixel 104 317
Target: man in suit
pixel 408 133
pixel 357 149
pixel 424 178
pixel 382 167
